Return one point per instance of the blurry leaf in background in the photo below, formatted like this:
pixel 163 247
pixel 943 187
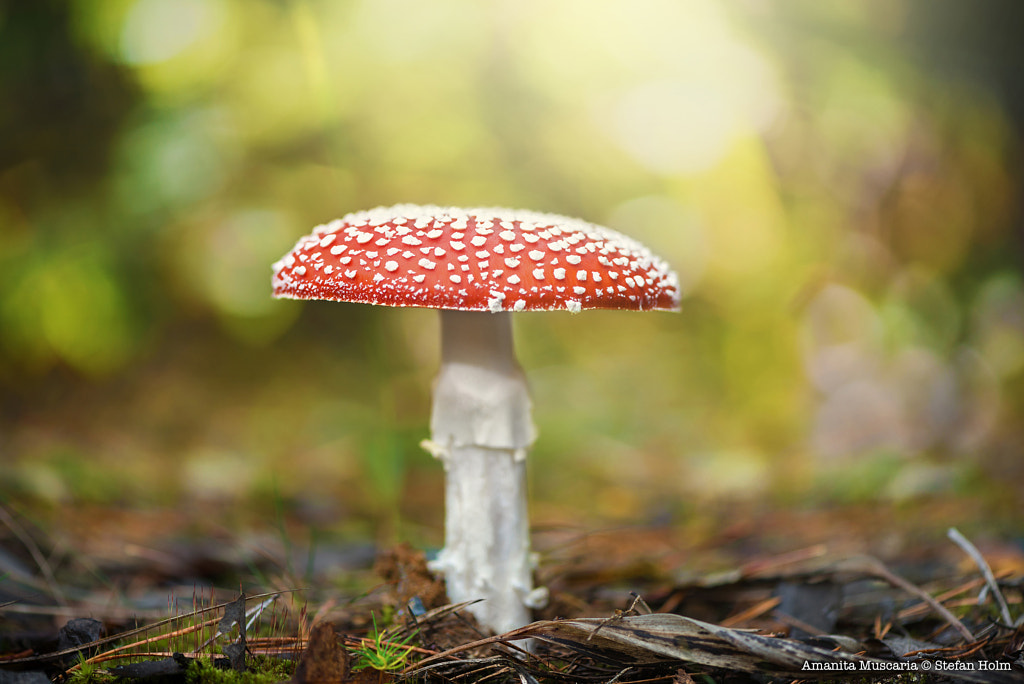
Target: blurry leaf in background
pixel 223 261
pixel 171 161
pixel 998 323
pixel 177 47
pixel 67 304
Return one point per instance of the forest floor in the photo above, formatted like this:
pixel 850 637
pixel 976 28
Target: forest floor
pixel 875 592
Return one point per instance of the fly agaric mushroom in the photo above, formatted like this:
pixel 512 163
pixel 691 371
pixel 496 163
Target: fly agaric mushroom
pixel 477 266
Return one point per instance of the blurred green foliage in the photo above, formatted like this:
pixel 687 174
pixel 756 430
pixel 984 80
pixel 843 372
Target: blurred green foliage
pixel 841 200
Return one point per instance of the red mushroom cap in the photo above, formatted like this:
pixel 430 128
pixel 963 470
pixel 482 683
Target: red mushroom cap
pixel 474 260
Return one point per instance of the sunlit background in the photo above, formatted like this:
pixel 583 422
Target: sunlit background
pixel 838 185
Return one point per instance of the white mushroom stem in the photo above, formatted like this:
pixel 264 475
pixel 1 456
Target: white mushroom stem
pixel 481 429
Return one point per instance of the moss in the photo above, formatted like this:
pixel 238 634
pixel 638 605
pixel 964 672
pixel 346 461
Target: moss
pixel 262 670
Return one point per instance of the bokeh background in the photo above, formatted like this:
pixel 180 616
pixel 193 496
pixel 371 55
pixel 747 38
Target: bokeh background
pixel 838 185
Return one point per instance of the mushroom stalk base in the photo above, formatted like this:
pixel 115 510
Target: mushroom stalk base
pixel 481 429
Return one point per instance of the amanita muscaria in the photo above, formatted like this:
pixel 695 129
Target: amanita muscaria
pixel 477 266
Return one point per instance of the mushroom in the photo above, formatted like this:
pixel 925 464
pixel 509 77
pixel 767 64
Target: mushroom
pixel 477 266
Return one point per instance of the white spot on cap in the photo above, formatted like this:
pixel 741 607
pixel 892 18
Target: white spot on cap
pixel 536 254
pixel 410 240
pixel 434 234
pixel 483 254
pixel 538 273
pixel 438 252
pixel 507 235
pixel 381 242
pixel 458 246
pixel 519 305
pixel 328 239
pixel 530 237
pixel 581 274
pixel 614 275
pixel 579 290
pixel 299 270
pixel 345 260
pixel 573 306
pixel 377 277
pixel 350 274
pixel 393 251
pixel 494 303
pixel 515 247
pixel 427 264
pixel 455 278
pixel 511 262
pixel 499 249
pixel 559 274
pixel 479 241
pixel 391 265
pixel 514 279
pixel 597 276
pixel 419 277
pixel 573 258
pixel 363 238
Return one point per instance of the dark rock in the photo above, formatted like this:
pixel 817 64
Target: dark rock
pixel 167 671
pixel 78 632
pixel 34 677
